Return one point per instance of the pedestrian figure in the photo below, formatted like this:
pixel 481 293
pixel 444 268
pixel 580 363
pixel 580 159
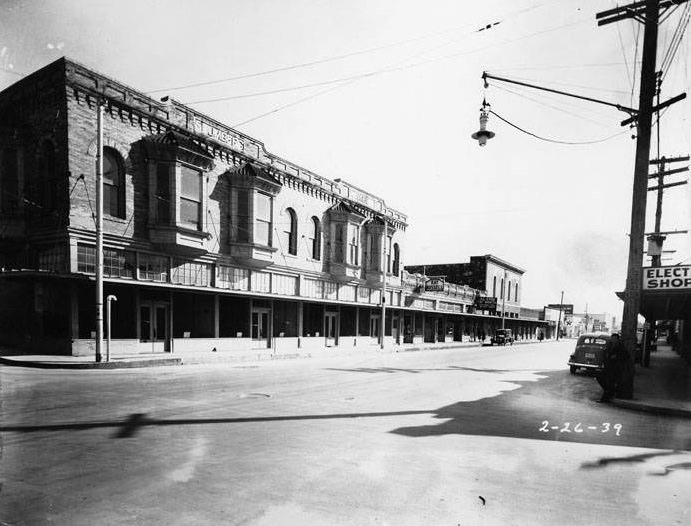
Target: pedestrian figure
pixel 614 368
pixel 540 336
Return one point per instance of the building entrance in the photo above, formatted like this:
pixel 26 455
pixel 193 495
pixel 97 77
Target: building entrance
pixel 260 328
pixel 154 325
pixel 331 328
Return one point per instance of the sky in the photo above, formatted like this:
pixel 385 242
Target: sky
pixel 385 95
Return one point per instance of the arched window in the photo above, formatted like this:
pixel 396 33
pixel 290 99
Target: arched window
pixel 291 232
pixel 396 259
pixel 113 184
pixel 316 235
pixel 494 287
pixel 502 289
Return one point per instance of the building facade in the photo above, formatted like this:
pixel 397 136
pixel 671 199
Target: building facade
pixel 500 280
pixel 210 241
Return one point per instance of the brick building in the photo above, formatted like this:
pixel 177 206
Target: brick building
pixel 210 241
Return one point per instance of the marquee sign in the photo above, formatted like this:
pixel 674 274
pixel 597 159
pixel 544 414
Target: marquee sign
pixel 677 277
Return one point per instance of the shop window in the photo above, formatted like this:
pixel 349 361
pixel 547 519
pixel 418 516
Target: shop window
pixel 9 181
pixel 263 220
pixel 113 184
pixel 191 198
pixel 315 239
pixel 291 231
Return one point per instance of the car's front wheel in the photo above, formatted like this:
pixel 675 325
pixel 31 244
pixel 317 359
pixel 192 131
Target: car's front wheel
pixel 573 369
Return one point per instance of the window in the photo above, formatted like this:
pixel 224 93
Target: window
pixel 316 239
pixel 388 254
pixel 396 259
pixel 291 231
pixel 9 181
pixel 515 294
pixel 494 287
pixel 113 184
pixel 339 243
pixel 191 198
pixel 353 244
pixel 263 205
pixel 86 259
pixel 502 289
pixel 243 223
pixel 153 268
pixel 163 193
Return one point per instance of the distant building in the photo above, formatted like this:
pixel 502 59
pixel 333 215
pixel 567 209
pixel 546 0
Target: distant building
pixel 498 278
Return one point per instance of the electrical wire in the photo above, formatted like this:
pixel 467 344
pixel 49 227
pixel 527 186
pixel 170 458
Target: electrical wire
pixel 347 55
pixel 537 101
pixel 555 140
pixel 677 38
pixel 414 65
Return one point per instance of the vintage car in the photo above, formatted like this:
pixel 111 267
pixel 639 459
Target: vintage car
pixel 502 337
pixel 590 352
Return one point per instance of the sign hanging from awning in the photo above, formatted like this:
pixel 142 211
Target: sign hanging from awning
pixel 677 277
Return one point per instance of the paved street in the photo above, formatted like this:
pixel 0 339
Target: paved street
pixel 470 436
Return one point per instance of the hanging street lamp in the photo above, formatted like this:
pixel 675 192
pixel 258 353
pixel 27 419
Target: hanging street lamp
pixel 483 133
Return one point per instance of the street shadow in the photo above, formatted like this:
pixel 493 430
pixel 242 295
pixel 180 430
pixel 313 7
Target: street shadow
pixel 606 461
pixel 552 407
pixel 557 407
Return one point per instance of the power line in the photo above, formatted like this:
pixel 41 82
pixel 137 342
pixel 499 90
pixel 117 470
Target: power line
pixel 346 55
pixel 414 65
pixel 555 140
pixel 543 103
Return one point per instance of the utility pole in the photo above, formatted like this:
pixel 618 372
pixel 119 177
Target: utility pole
pixel 382 328
pixel 648 13
pixel 561 302
pixel 503 300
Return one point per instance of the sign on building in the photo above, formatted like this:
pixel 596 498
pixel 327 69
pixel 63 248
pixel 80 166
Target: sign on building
pixel 485 303
pixel 434 285
pixel 677 277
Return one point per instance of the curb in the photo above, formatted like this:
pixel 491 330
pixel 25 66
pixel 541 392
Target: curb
pixel 92 365
pixel 653 409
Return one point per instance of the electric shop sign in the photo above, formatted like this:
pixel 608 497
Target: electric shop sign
pixel 667 278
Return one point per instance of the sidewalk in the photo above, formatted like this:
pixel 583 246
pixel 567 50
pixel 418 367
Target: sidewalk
pixel 662 388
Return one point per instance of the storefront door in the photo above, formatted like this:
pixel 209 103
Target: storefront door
pixel 260 328
pixel 331 328
pixel 154 325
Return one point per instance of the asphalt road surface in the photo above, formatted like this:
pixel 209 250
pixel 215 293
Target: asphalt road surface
pixel 455 437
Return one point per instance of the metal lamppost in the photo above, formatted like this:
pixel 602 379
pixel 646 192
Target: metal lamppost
pixel 109 299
